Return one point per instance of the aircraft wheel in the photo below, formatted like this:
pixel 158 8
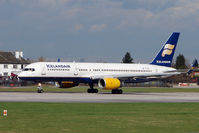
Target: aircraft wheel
pixel 89 90
pixel 120 91
pixel 117 91
pixel 114 91
pixel 92 90
pixel 95 90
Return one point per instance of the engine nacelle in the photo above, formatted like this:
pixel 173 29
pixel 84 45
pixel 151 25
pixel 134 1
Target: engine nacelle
pixel 67 84
pixel 109 83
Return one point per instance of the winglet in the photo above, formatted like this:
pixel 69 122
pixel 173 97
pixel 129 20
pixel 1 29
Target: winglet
pixel 165 56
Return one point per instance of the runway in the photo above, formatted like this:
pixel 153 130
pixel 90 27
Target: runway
pixel 98 98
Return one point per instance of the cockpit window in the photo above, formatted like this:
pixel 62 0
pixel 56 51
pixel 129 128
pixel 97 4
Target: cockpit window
pixel 28 69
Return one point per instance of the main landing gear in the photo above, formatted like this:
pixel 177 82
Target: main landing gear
pixel 39 88
pixel 117 91
pixel 91 89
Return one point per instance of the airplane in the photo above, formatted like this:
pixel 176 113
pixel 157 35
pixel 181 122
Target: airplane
pixel 194 67
pixel 108 76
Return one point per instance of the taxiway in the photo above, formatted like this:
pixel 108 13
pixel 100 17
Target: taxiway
pixel 98 98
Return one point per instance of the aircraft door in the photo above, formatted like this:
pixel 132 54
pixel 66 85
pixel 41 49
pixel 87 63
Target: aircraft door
pixel 43 72
pixel 76 69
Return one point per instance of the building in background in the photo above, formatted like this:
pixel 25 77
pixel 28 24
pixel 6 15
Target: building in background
pixel 11 63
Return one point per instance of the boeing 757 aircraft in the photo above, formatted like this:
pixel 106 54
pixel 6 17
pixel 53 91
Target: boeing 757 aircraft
pixel 109 76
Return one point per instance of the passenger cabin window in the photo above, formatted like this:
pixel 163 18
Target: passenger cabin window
pixel 29 69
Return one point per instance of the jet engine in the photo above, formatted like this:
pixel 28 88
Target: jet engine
pixel 67 84
pixel 109 83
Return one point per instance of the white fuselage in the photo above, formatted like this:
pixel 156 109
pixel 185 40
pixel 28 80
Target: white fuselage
pixel 55 71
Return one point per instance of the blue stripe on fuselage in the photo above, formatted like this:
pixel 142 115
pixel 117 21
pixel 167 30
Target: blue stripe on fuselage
pixel 58 79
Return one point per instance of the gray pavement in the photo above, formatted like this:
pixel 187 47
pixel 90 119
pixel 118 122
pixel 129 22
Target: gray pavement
pixel 98 98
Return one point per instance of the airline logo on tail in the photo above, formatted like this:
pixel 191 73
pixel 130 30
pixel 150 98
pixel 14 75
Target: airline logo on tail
pixel 165 56
pixel 168 49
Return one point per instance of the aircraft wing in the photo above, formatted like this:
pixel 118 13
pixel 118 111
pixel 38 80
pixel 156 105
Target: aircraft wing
pixel 123 76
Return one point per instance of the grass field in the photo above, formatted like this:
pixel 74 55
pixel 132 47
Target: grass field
pixel 84 89
pixel 100 118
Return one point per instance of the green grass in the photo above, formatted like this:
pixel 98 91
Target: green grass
pixel 100 118
pixel 84 89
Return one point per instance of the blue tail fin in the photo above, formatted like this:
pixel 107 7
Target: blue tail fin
pixel 165 56
pixel 193 66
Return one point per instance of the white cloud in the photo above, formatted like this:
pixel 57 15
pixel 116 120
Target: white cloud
pixel 38 3
pixel 53 3
pixel 154 2
pixel 78 27
pixel 2 1
pixel 50 21
pixel 97 27
pixel 178 15
pixel 131 18
pixel 97 14
pixel 182 10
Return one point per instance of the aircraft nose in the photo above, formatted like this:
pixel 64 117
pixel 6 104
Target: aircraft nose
pixel 21 75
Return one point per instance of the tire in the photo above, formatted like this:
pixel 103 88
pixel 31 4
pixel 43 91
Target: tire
pixel 95 90
pixel 117 91
pixel 120 91
pixel 89 90
pixel 114 91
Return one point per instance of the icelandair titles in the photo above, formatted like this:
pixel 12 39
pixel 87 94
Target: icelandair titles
pixel 57 66
pixel 164 61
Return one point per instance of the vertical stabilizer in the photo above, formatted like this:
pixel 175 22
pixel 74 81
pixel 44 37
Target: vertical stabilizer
pixel 193 66
pixel 165 56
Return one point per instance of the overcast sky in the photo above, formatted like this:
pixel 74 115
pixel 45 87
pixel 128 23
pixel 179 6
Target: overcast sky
pixel 98 29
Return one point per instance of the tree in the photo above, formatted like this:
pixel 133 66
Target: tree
pixel 127 58
pixel 42 59
pixel 180 62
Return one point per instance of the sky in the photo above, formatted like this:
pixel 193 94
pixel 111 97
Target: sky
pixel 98 30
